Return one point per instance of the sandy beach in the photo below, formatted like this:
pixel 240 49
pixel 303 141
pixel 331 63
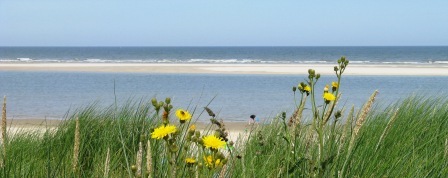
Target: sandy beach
pixel 235 129
pixel 325 69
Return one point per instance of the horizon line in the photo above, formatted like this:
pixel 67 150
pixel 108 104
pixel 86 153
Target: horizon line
pixel 125 46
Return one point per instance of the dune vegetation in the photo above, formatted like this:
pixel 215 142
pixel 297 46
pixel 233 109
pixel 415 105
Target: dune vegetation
pixel 153 139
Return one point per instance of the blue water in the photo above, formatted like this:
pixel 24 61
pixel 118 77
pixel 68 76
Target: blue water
pixel 234 97
pixel 52 94
pixel 368 55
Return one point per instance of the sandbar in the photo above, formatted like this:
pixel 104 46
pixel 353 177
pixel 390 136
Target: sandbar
pixel 267 69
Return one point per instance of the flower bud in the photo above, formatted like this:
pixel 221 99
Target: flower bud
pixel 302 84
pixel 326 89
pixel 192 128
pixel 310 71
pixel 133 168
pixel 283 115
pixel 294 89
pixel 338 114
pixel 166 108
pixel 160 103
pixel 154 102
pixel 336 68
pixel 224 161
pixel 317 76
pixel 174 149
pixel 334 86
pixel 300 87
pixel 343 59
pixel 217 133
pixel 168 100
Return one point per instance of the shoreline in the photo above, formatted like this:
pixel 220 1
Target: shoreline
pixel 14 126
pixel 261 69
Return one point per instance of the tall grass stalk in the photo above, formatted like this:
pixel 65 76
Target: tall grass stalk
pixel 149 160
pixel 139 160
pixel 76 147
pixel 107 164
pixel 389 125
pixel 359 123
pixel 3 138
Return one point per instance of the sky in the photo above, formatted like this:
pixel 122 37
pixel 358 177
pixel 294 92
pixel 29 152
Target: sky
pixel 223 23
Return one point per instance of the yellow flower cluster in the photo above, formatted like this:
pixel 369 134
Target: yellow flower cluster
pixel 209 162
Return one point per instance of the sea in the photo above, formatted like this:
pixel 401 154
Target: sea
pixel 233 97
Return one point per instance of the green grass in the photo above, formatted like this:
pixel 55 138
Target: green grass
pixel 413 146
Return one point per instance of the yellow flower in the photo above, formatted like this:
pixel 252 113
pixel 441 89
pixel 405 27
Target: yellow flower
pixel 183 115
pixel 213 142
pixel 192 128
pixel 217 162
pixel 329 97
pixel 163 131
pixel 208 161
pixel 334 84
pixel 307 89
pixel 190 160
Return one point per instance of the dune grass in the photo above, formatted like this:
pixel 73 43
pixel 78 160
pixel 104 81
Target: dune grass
pixel 149 139
pixel 413 145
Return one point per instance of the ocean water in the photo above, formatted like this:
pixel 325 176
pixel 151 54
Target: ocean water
pixel 284 55
pixel 234 97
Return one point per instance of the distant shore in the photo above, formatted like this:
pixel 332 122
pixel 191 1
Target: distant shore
pixel 268 69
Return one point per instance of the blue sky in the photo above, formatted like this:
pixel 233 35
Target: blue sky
pixel 223 23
